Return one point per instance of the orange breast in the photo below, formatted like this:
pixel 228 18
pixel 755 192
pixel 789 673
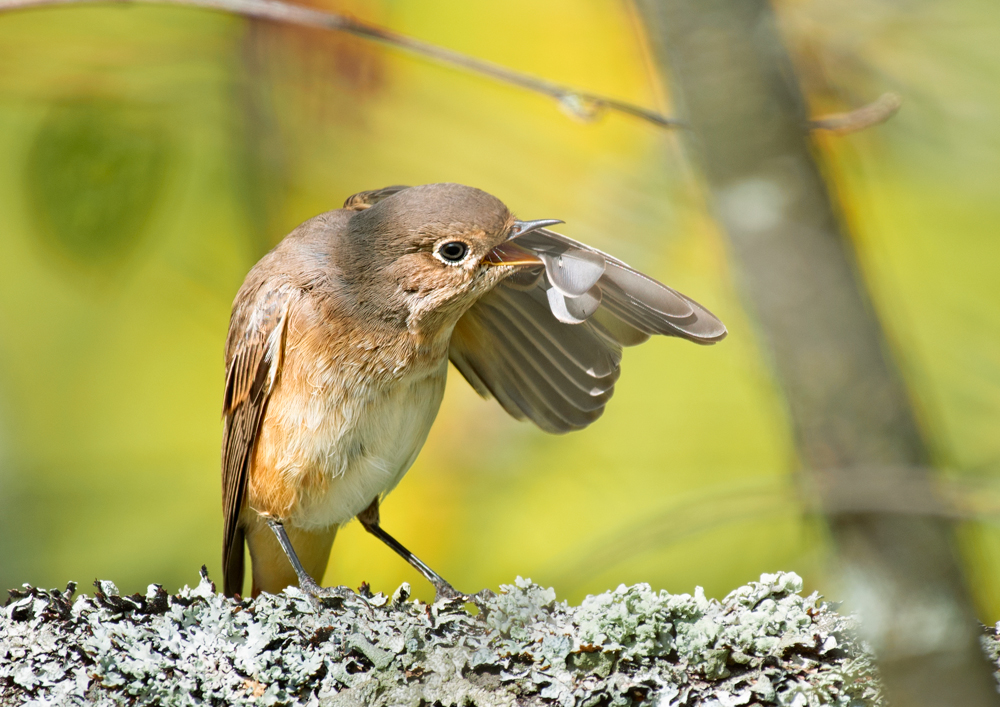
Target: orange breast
pixel 346 419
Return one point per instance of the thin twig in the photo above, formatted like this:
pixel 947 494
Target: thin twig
pixel 580 104
pixel 875 113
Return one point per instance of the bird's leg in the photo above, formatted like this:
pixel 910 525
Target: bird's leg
pixel 442 590
pixel 306 583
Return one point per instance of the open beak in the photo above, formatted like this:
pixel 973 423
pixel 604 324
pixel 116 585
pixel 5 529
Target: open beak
pixel 508 253
pixel 521 227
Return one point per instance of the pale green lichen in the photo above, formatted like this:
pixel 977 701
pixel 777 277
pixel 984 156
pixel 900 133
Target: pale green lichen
pixel 764 644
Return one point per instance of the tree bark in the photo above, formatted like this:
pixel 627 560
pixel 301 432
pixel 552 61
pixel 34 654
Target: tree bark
pixel 855 427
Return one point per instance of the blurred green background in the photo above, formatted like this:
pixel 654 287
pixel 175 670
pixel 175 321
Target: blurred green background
pixel 149 156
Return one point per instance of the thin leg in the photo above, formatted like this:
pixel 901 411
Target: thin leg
pixel 306 582
pixel 443 590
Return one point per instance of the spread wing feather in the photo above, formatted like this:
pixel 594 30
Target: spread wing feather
pixel 254 352
pixel 516 384
pixel 545 353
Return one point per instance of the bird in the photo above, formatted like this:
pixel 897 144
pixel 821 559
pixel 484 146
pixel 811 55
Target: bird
pixel 338 348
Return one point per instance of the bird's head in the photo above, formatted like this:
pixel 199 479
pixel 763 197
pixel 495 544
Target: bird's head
pixel 431 251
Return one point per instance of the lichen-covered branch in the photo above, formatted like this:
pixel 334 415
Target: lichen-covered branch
pixel 764 644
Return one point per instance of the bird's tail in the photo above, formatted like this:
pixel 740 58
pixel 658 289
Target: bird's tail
pixel 233 568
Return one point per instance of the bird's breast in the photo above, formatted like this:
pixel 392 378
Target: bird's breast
pixel 338 434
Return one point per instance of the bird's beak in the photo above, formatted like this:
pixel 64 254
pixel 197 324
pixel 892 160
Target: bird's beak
pixel 508 253
pixel 521 227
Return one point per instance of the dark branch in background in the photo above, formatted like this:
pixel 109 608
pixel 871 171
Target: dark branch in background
pixel 854 424
pixel 887 490
pixel 580 104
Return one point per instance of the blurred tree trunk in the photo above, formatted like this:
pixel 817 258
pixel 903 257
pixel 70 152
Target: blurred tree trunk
pixel 854 423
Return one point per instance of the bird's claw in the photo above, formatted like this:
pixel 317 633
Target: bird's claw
pixel 483 595
pixel 333 596
pixel 447 593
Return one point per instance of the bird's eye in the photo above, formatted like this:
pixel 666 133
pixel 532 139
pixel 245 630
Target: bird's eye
pixel 453 251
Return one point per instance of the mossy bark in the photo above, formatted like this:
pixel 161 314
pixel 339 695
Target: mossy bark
pixel 764 644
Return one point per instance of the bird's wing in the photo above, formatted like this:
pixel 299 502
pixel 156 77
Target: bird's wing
pixel 624 292
pixel 254 351
pixel 547 343
pixel 365 199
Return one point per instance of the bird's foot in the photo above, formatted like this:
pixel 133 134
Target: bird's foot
pixel 483 595
pixel 332 596
pixel 481 598
pixel 445 592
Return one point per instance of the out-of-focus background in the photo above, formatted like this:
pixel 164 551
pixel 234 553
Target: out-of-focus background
pixel 150 155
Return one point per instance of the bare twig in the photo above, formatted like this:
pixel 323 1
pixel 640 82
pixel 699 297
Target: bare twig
pixel 875 113
pixel 580 104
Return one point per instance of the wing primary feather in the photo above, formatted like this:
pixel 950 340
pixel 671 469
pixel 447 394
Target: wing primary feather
pixel 644 289
pixel 568 389
pixel 467 339
pixel 573 341
pixel 496 374
pixel 580 372
pixel 691 320
pixel 480 350
pixel 573 272
pixel 465 367
pixel 615 330
pixel 544 410
pixel 630 313
pixel 255 351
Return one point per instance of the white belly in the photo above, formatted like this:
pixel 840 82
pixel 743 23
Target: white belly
pixel 363 457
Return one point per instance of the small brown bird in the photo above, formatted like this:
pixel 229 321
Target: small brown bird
pixel 338 352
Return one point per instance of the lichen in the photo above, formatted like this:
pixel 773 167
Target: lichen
pixel 764 644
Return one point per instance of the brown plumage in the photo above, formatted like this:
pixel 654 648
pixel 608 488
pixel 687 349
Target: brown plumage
pixel 338 347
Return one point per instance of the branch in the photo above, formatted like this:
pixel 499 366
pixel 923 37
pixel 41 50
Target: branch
pixel 764 644
pixel 875 113
pixel 580 104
